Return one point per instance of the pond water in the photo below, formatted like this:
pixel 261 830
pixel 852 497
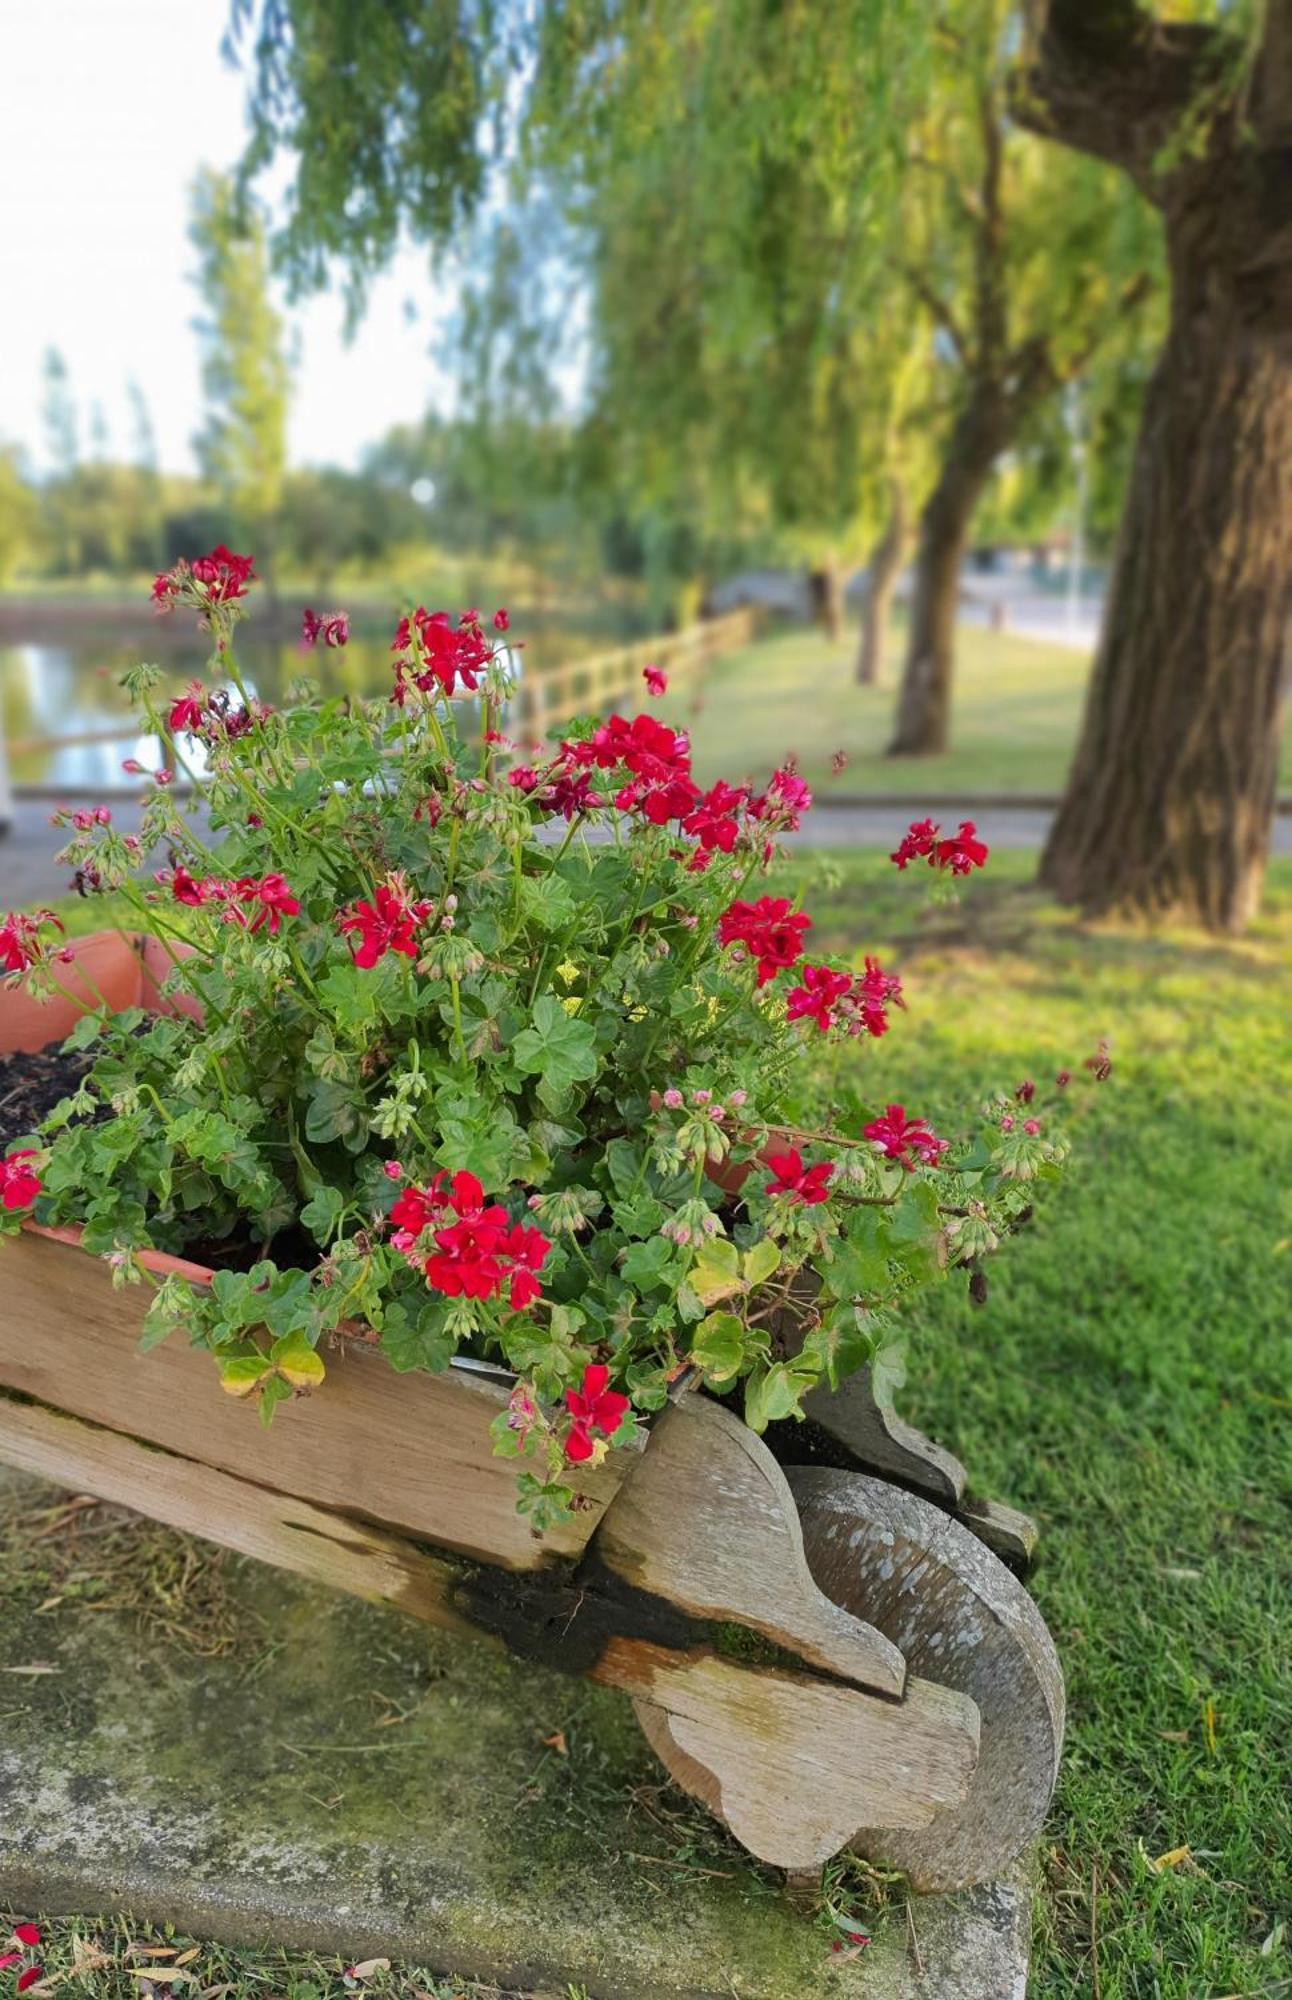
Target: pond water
pixel 64 681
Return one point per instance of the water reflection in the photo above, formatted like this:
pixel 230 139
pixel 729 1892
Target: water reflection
pixel 67 684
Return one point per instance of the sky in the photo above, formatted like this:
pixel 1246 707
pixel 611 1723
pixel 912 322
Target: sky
pixel 107 109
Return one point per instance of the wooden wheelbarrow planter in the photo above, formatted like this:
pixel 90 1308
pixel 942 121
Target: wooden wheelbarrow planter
pixel 826 1659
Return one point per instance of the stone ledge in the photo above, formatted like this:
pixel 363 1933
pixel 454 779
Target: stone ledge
pixel 263 1797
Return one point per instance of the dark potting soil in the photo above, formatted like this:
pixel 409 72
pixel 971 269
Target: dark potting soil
pixel 32 1084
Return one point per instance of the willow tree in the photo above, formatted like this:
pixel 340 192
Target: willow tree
pixel 242 446
pixel 1170 798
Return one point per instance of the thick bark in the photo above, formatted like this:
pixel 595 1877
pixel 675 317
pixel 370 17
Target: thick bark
pixel 825 585
pixel 924 705
pixel 1169 802
pixel 885 568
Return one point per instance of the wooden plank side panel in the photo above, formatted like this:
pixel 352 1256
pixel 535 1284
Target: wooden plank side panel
pixel 291 1534
pixel 411 1451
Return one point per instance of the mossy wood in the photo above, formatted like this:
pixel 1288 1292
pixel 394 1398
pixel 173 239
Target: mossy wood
pixel 798 1758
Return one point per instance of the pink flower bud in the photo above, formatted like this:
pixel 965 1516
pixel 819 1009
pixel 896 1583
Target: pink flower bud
pixel 1007 1123
pixel 739 1097
pixel 673 1098
pixel 1031 1126
pixel 164 777
pixel 393 1170
pixel 133 768
pixel 702 1097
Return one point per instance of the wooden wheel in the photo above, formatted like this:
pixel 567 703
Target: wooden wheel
pixel 963 1622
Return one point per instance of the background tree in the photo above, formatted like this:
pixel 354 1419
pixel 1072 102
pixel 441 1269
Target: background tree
pixel 1170 798
pixel 1026 266
pixel 19 514
pixel 242 447
pixel 62 454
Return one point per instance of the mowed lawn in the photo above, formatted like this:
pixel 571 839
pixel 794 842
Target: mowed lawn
pixel 1127 1383
pixel 1017 706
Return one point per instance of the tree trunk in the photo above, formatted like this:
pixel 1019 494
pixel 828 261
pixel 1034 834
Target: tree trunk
pixel 826 586
pixel 1171 793
pixel 924 705
pixel 885 568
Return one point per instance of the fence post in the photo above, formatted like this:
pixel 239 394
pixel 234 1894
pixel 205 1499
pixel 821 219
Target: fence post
pixel 6 789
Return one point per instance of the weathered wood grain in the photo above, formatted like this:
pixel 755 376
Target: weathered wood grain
pixel 882 1441
pixel 410 1451
pixel 790 1756
pixel 706 1520
pixel 959 1615
pixel 291 1534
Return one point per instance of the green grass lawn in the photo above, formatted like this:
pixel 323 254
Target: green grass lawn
pixel 1127 1383
pixel 1016 711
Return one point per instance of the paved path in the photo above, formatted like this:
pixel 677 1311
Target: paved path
pixel 28 874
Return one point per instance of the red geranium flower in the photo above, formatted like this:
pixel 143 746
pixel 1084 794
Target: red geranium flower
pixel 389 924
pixel 19 1182
pixel 656 680
pixel 771 930
pixel 899 1137
pixel 873 991
pixel 436 653
pixel 713 821
pixel 271 896
pixel 818 996
pixel 186 711
pixel 803 1185
pixel 524 777
pixel 225 575
pixel 501 622
pixel 525 1251
pixel 332 627
pixel 594 1407
pixel 784 802
pixel 20 940
pixel 571 794
pixel 185 888
pixel 963 851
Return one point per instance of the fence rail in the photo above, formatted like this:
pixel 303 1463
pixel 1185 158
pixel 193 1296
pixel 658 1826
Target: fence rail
pixel 553 695
pixel 547 696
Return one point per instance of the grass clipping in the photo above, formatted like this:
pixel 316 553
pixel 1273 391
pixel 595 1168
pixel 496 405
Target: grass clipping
pixel 68 1551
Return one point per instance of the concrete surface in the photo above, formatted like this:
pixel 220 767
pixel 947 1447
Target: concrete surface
pixel 343 1780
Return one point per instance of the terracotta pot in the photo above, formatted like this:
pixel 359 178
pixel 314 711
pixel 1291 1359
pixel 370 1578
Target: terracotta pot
pixel 106 965
pixel 126 972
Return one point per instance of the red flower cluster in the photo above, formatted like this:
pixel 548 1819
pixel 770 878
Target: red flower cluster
pixel 333 628
pixel 818 998
pixel 656 680
pixel 197 713
pixel 255 903
pixel 219 579
pixel 19 1181
pixel 713 820
pixel 480 1252
pixel 659 759
pixel 21 944
pixel 906 1139
pixel 388 924
pixel 961 852
pixel 437 655
pixel 594 1407
pixel 771 931
pixel 873 991
pixel 27 1937
pixel 805 1186
pixel 784 802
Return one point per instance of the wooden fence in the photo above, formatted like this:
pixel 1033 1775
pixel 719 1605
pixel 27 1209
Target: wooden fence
pixel 546 697
pixel 592 686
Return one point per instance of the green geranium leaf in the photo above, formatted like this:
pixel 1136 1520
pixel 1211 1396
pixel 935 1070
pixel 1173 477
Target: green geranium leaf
pixel 718 1346
pixel 557 1047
